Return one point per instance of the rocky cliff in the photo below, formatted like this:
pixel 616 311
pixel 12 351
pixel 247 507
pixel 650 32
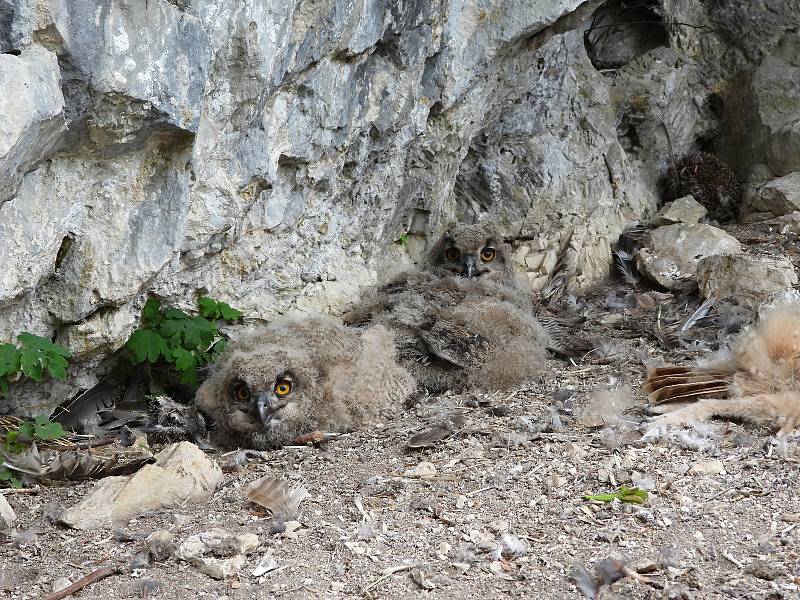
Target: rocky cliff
pixel 279 154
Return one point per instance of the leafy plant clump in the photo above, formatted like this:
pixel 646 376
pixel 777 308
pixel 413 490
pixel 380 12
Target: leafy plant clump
pixel 33 357
pixel 19 440
pixel 184 342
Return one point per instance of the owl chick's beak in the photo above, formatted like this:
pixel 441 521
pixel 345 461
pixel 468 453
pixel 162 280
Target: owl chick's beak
pixel 264 408
pixel 470 267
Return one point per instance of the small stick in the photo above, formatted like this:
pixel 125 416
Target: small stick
pixel 733 560
pixel 31 490
pixel 96 443
pixel 387 573
pixel 83 582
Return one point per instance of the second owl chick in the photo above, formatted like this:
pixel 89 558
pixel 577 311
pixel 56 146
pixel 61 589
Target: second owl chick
pixel 301 374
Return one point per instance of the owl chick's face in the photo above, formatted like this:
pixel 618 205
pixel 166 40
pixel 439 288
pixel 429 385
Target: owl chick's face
pixel 471 251
pixel 267 392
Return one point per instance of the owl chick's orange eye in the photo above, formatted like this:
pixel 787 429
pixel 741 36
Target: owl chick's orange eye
pixel 242 391
pixel 283 388
pixel 488 254
pixel 452 254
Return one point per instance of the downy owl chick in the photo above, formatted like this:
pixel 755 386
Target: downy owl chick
pixel 471 251
pixel 301 374
pixel 461 321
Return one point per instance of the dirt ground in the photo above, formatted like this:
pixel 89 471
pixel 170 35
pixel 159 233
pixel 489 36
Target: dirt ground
pixel 503 514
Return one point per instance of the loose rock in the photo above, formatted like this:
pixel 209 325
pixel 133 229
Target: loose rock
pixel 707 467
pixel 7 515
pixel 227 552
pixel 683 210
pixel 672 253
pixel 749 279
pixel 182 473
pixel 779 197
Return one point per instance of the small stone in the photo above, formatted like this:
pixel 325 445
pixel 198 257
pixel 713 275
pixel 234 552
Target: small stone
pixel 683 210
pixel 707 467
pixel 7 515
pixel 144 587
pixel 161 544
pixel 791 517
pixel 59 584
pixel 763 570
pixel 265 565
pixel 750 279
pixel 180 520
pixel 422 470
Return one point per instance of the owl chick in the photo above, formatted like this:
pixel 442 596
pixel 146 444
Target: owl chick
pixel 757 380
pixel 461 321
pixel 470 251
pixel 301 374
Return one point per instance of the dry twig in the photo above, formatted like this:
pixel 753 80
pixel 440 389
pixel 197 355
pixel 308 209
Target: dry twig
pixel 97 575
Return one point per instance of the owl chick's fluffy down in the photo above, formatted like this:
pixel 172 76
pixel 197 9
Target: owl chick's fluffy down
pixel 300 374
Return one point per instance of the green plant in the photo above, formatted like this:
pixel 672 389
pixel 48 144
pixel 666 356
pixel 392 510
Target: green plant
pixel 625 494
pixel 401 241
pixel 184 342
pixel 33 356
pixel 20 440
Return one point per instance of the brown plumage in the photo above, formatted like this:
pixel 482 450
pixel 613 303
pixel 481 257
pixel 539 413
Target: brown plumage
pixel 301 374
pixel 758 380
pixel 461 322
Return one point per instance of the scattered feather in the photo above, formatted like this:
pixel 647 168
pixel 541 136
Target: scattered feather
pixel 608 407
pixel 438 432
pixel 700 313
pixel 274 495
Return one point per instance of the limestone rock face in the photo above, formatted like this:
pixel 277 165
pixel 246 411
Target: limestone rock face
pixel 280 154
pixel 31 114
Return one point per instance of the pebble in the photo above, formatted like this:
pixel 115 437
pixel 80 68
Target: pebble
pixel 707 467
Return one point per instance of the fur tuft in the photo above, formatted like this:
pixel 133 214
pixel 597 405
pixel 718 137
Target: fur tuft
pixel 757 380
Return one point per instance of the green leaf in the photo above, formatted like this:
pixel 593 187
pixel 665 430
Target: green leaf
pixel 208 307
pixel 9 359
pixel 625 494
pixel 184 360
pixel 57 367
pixel 175 314
pixel 31 365
pixel 228 313
pixel 151 313
pixel 218 348
pixel 25 432
pixel 189 377
pixel 7 474
pixel 196 332
pixel 47 430
pixel 146 345
pixel 35 342
pixel 3 385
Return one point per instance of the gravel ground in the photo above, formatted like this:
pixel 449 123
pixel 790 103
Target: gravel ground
pixel 511 474
pixel 500 511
